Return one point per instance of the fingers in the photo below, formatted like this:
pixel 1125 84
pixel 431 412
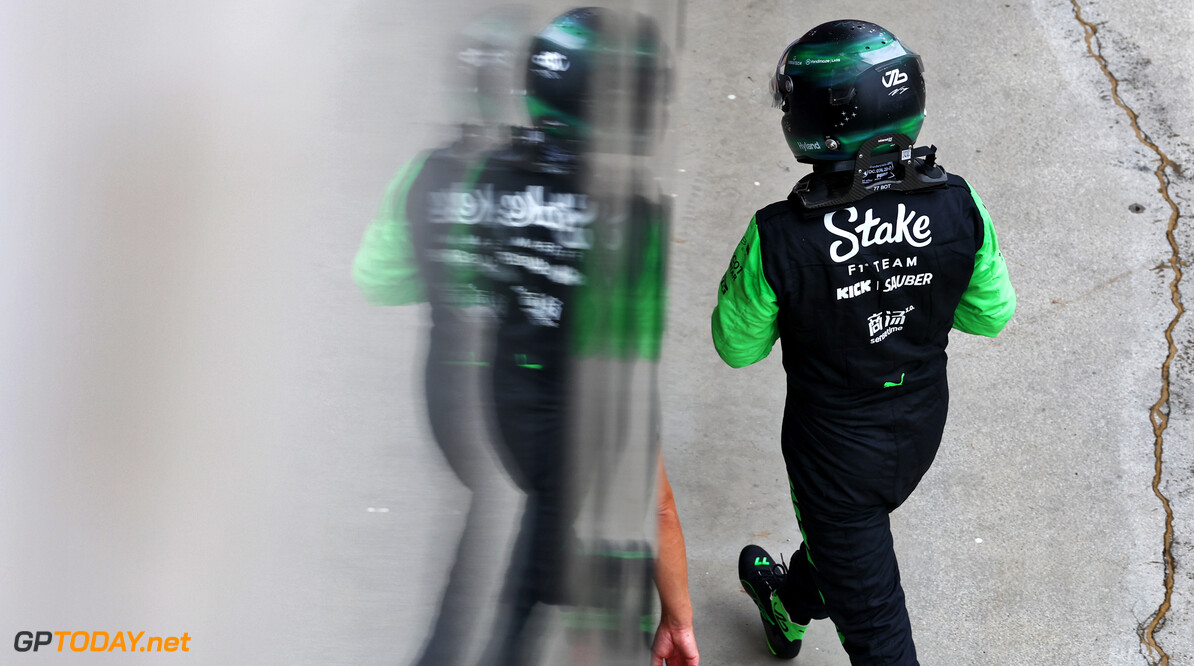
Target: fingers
pixel 674 649
pixel 662 647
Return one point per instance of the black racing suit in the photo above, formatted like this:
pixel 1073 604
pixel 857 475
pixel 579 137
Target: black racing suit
pixel 574 275
pixel 416 250
pixel 536 219
pixel 563 277
pixel 863 297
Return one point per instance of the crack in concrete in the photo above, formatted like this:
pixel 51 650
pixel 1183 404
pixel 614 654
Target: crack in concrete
pixel 1159 412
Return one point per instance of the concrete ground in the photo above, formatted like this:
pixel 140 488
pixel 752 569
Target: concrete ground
pixel 205 429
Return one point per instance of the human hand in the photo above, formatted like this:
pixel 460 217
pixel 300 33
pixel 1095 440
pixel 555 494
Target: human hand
pixel 675 645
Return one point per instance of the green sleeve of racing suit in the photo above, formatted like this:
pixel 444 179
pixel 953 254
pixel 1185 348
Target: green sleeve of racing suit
pixel 385 269
pixel 744 319
pixel 989 300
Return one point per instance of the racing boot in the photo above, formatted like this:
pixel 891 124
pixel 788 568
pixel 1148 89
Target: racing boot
pixel 761 577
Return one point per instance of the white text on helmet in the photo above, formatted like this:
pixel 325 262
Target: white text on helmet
pixel 551 61
pixel 894 77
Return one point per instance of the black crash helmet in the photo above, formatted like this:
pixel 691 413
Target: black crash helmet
pixel 845 82
pixel 593 72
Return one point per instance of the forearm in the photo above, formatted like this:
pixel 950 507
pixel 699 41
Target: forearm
pixel 671 568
